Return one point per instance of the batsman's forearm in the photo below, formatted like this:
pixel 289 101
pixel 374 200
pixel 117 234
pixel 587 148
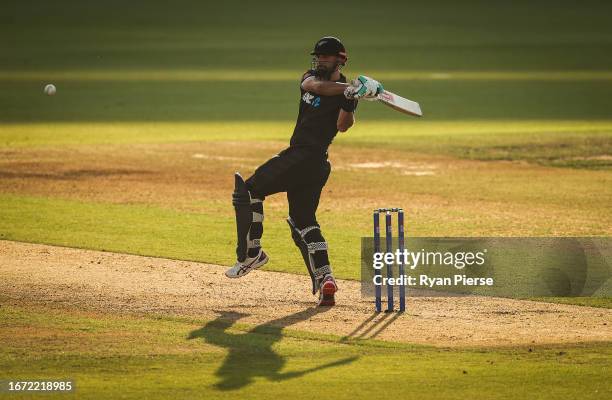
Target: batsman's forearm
pixel 328 88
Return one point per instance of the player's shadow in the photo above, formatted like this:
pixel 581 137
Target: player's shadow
pixel 251 354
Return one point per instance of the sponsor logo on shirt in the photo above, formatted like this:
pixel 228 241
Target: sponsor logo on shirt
pixel 311 99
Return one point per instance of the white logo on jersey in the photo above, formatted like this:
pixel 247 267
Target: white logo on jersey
pixel 307 98
pixel 310 99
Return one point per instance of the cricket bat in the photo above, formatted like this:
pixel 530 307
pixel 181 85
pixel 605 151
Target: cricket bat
pixel 400 104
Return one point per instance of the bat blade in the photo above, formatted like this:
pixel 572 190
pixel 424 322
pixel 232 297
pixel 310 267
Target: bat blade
pixel 400 104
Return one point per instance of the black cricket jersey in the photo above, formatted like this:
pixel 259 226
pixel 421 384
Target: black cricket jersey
pixel 318 116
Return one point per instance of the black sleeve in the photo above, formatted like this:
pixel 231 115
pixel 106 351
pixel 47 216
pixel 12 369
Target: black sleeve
pixel 349 105
pixel 307 74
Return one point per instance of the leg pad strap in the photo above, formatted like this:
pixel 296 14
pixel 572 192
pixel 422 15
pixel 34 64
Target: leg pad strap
pixel 321 272
pixel 316 246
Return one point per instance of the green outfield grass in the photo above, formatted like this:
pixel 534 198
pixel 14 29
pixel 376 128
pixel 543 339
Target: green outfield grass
pixel 158 357
pixel 569 143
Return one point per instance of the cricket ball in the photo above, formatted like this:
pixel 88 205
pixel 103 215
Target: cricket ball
pixel 50 89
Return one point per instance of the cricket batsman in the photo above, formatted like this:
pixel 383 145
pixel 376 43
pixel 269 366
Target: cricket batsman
pixel 327 105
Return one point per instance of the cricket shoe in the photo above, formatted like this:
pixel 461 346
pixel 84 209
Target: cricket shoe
pixel 240 269
pixel 327 291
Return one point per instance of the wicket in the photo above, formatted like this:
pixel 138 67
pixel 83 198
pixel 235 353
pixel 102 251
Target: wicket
pixel 389 249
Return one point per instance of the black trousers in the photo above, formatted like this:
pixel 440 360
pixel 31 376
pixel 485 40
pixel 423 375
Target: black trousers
pixel 301 172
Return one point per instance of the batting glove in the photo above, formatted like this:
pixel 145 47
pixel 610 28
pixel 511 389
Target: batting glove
pixel 350 92
pixel 366 87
